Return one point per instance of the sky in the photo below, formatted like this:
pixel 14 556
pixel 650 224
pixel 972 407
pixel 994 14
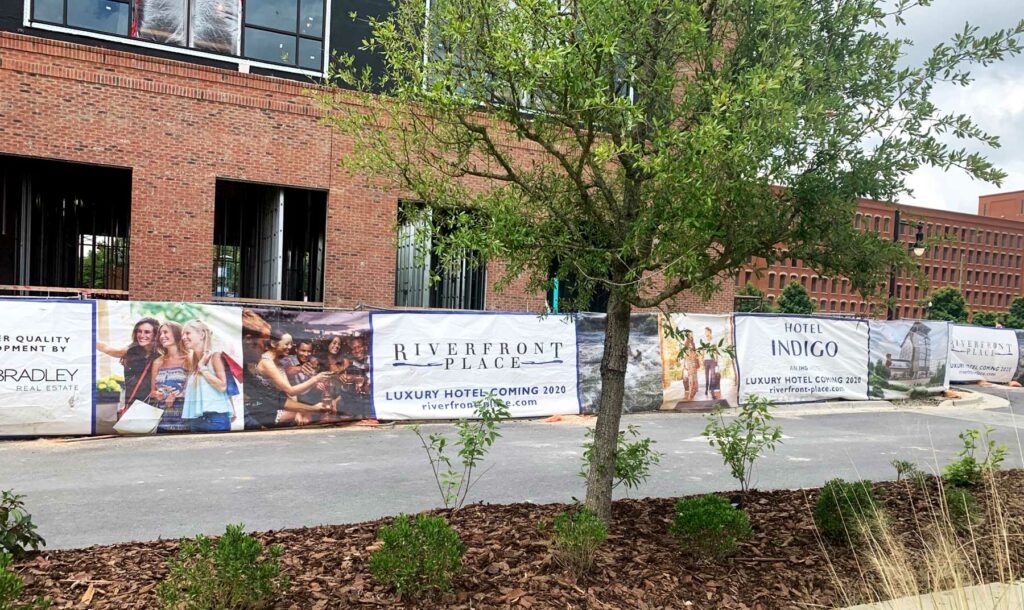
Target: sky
pixel 995 100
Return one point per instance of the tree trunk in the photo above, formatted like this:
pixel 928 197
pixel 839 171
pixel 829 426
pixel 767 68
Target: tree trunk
pixel 613 385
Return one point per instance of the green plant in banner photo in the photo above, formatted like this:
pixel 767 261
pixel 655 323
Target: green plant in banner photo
pixel 709 527
pixel 17 531
pixel 417 555
pixel 234 572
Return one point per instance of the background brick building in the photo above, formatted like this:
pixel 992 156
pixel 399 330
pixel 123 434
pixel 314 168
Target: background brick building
pixel 979 255
pixel 145 156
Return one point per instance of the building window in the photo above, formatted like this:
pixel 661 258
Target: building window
pixel 771 280
pixel 822 303
pixel 268 242
pixel 421 279
pixel 814 284
pixel 282 32
pixel 803 281
pixel 832 305
pixel 64 226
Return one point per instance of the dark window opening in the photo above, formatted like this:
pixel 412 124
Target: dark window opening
pixel 268 242
pixel 63 226
pixel 422 280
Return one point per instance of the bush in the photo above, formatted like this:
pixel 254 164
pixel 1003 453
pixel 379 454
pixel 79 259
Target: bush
pixel 11 586
pixel 226 575
pixel 962 507
pixel 418 555
pixel 633 459
pixel 967 471
pixel 577 537
pixel 918 393
pixel 745 438
pixel 709 526
pixel 17 532
pixel 845 512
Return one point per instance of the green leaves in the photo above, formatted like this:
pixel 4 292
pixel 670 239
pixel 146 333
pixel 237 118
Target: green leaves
pixel 17 531
pixel 417 555
pixel 742 440
pixel 475 438
pixel 633 458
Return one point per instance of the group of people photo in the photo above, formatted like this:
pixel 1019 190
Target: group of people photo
pixel 173 366
pixel 297 372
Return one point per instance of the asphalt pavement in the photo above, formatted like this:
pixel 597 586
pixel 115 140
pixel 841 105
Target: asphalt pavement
pixel 121 489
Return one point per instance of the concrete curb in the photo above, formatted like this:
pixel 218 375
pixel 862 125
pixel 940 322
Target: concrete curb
pixel 996 596
pixel 978 400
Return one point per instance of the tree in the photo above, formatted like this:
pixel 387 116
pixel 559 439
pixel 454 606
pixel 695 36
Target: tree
pixel 794 299
pixel 984 318
pixel 758 300
pixel 1015 317
pixel 651 147
pixel 947 304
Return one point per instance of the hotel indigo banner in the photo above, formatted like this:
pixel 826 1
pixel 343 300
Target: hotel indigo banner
pixel 436 365
pixel 46 371
pixel 980 353
pixel 802 358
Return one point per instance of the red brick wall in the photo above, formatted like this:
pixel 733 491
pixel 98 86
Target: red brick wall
pixel 180 127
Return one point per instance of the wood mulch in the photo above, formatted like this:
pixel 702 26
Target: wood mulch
pixel 509 561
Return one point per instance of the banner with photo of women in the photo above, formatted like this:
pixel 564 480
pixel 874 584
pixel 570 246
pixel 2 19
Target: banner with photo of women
pixel 788 358
pixel 306 367
pixel 437 365
pixel 908 355
pixel 46 371
pixel 979 353
pixel 168 367
pixel 698 367
pixel 643 366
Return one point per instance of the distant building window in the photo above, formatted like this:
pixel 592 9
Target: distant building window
pixel 421 279
pixel 64 226
pixel 771 280
pixel 282 32
pixel 814 284
pixel 268 242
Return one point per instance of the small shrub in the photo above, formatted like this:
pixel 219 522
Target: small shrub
pixel 11 586
pixel 227 575
pixel 967 471
pixel 962 508
pixel 17 532
pixel 709 527
pixel 474 441
pixel 909 471
pixel 845 512
pixel 633 458
pixel 418 555
pixel 745 438
pixel 576 540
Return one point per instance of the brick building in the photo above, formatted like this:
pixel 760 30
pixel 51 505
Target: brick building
pixel 170 151
pixel 979 255
pixel 1009 206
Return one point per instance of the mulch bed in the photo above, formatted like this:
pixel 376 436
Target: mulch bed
pixel 509 561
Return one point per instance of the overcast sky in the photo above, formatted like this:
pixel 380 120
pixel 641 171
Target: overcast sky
pixel 995 99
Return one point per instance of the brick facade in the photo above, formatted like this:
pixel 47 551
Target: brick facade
pixel 980 256
pixel 179 127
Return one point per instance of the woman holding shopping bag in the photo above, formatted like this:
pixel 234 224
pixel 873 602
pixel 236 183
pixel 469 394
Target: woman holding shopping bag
pixel 208 408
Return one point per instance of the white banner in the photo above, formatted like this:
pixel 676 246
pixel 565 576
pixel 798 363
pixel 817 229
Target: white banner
pixel 435 365
pixel 46 367
pixel 802 358
pixel 979 352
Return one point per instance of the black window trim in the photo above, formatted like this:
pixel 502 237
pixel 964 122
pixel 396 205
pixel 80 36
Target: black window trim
pixel 244 63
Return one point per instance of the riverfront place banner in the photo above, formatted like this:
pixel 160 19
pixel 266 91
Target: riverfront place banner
pixel 46 377
pixel 802 358
pixel 436 365
pixel 980 353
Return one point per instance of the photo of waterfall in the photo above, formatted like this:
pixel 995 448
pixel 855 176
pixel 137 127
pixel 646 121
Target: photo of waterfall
pixel 643 372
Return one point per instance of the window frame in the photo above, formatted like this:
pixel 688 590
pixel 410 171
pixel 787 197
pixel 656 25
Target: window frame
pixel 244 63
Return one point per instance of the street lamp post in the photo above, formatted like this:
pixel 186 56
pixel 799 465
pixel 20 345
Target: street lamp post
pixel 918 249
